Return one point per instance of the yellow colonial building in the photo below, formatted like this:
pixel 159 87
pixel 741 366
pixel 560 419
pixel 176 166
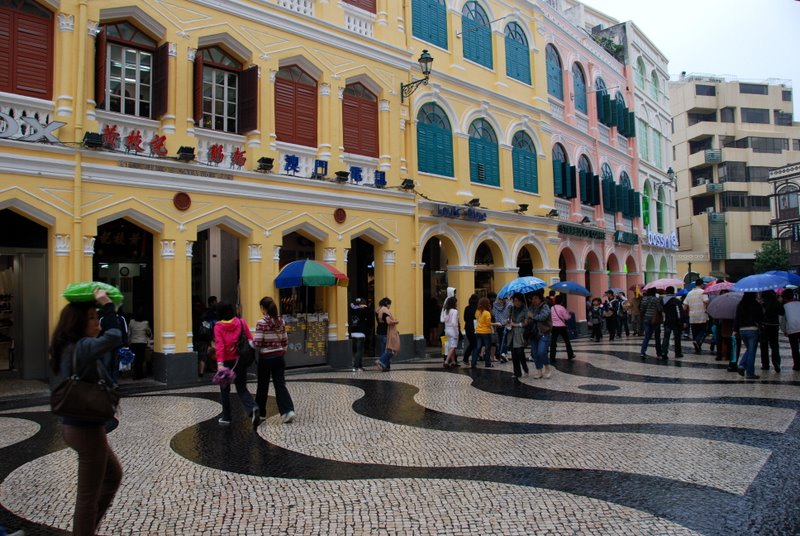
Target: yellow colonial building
pixel 186 149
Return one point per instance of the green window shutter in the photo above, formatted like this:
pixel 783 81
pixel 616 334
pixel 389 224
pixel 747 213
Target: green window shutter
pixel 582 183
pixel 601 110
pixel 525 171
pixel 596 190
pixel 438 23
pixel 555 83
pixel 443 155
pixel 429 22
pixel 632 123
pixel 645 211
pixel 424 142
pixel 494 164
pixel 518 61
pixel 558 178
pixel 570 173
pixel 419 20
pixel 612 116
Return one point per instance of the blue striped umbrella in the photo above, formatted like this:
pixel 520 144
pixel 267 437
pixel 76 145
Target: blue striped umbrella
pixel 569 287
pixel 759 283
pixel 522 285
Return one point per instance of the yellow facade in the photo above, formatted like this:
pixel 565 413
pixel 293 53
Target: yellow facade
pixel 73 191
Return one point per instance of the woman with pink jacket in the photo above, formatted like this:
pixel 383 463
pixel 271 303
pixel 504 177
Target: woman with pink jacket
pixel 560 316
pixel 226 335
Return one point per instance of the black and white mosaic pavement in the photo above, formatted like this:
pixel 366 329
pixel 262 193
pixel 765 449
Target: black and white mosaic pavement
pixel 610 444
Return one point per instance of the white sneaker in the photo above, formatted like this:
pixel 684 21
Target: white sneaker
pixel 224 422
pixel 537 375
pixel 547 371
pixel 287 417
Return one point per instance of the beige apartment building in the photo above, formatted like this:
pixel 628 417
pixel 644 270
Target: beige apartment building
pixel 728 134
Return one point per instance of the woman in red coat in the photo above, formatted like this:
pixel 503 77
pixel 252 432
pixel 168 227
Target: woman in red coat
pixel 226 335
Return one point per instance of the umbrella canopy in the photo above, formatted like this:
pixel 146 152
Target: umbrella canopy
pixel 682 292
pixel 568 287
pixel 521 284
pixel 661 284
pixel 792 279
pixel 716 288
pixel 724 307
pixel 84 292
pixel 709 279
pixel 759 283
pixel 308 273
pixel 616 290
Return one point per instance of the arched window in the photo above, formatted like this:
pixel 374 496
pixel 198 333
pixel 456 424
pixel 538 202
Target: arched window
pixel 360 120
pixel 295 106
pixel 131 73
pixel 429 21
pixel 555 82
pixel 660 207
pixel 484 165
pixel 638 73
pixel 434 141
pixel 646 205
pixel 26 49
pixel 226 96
pixel 654 84
pixel 524 163
pixel 603 101
pixel 579 88
pixel 518 58
pixel 609 189
pixel 476 32
pixel 563 174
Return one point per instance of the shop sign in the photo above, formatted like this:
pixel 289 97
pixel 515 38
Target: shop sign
pixel 36 130
pixel 624 237
pixel 581 232
pixel 669 241
pixel 455 211
pixel 796 232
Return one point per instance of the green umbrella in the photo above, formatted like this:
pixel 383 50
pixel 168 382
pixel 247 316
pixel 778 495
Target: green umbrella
pixel 84 292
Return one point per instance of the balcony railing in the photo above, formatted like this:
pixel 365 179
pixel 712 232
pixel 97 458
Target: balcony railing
pixel 304 7
pixel 562 206
pixel 206 139
pixel 582 121
pixel 126 125
pixel 18 107
pixel 557 110
pixel 605 133
pixel 359 21
pixel 713 156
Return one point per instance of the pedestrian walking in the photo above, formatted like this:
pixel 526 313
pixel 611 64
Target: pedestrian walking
pixel 673 322
pixel 226 336
pixel 501 309
pixel 539 314
pixel 358 331
pixel 791 326
pixel 483 333
pixel 652 312
pixel 695 304
pixel 76 349
pixel 560 316
pixel 635 312
pixel 138 338
pixel 623 323
pixel 595 319
pixel 392 336
pixel 611 314
pixel 469 326
pixel 516 335
pixel 749 317
pixel 452 330
pixel 770 327
pixel 271 343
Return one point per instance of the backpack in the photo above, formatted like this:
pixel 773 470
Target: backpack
pixel 247 353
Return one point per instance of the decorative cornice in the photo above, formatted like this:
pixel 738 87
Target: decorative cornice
pixel 66 22
pixel 88 246
pixel 62 245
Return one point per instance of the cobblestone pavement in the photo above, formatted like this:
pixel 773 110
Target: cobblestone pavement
pixel 610 444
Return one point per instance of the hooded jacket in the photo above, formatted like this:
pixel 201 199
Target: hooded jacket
pixel 451 291
pixel 226 334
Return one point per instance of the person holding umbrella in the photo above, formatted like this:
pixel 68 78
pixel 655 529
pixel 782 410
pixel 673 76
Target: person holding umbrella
pixel 673 322
pixel 749 316
pixel 652 311
pixel 560 316
pixel 773 310
pixel 791 325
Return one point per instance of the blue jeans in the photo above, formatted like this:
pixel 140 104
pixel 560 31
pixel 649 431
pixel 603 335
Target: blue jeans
pixel 748 360
pixel 386 359
pixel 651 330
pixel 380 344
pixel 539 351
pixel 484 341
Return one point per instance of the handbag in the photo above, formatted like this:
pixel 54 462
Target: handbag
pixel 83 399
pixel 246 352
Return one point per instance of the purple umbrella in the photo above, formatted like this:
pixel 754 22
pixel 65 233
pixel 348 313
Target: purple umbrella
pixel 723 307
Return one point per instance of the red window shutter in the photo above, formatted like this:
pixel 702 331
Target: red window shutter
pixel 248 100
pixel 306 111
pixel 367 5
pixel 5 51
pixel 369 128
pixel 160 81
pixel 350 125
pixel 34 51
pixel 285 111
pixel 100 68
pixel 198 88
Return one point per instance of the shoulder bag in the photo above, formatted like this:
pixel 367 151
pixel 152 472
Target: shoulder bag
pixel 83 399
pixel 245 352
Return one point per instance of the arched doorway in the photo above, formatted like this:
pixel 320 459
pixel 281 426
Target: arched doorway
pixel 484 268
pixel 438 252
pixel 23 272
pixel 123 257
pixel 361 273
pixel 529 261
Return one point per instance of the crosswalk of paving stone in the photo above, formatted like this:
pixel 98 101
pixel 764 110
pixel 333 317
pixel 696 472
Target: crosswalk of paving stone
pixel 610 444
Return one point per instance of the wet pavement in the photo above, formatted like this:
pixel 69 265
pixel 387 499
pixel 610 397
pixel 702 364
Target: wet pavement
pixel 610 444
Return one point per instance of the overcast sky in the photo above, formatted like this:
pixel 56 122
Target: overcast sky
pixel 748 39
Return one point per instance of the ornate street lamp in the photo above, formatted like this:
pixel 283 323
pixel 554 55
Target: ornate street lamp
pixel 425 60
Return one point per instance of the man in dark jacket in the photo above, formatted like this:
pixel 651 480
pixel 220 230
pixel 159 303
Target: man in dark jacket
pixel 673 323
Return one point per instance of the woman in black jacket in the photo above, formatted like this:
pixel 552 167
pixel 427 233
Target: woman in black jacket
pixel 469 326
pixel 749 316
